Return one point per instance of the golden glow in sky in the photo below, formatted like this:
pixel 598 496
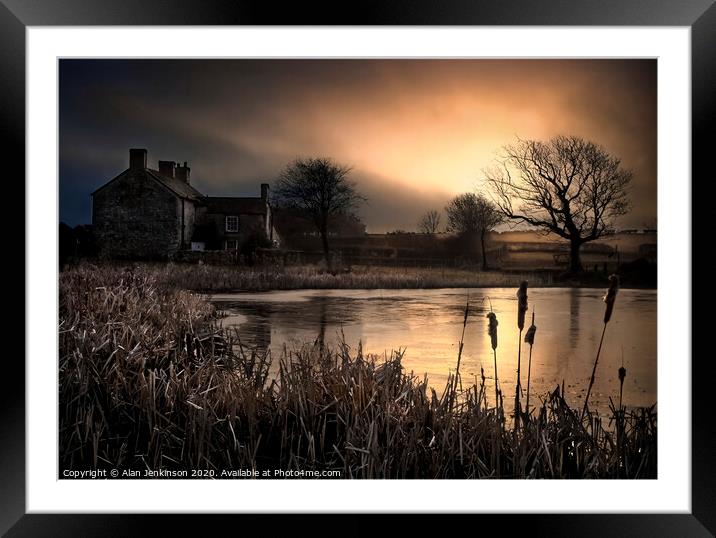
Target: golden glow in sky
pixel 415 131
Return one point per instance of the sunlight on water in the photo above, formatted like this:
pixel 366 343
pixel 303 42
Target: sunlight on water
pixel 428 325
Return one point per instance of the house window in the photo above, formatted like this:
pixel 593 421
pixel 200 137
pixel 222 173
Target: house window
pixel 232 244
pixel 232 223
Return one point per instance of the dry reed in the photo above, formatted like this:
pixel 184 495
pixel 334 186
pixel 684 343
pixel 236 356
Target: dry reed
pixel 609 299
pixel 492 331
pixel 208 278
pixel 521 310
pixel 530 339
pixel 147 381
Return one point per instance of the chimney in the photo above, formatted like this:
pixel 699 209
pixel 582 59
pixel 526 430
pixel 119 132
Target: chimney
pixel 182 172
pixel 137 158
pixel 265 191
pixel 167 168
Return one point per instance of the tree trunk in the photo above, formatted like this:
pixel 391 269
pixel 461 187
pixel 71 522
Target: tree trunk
pixel 575 261
pixel 484 254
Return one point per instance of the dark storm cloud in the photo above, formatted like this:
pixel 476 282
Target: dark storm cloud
pixel 416 132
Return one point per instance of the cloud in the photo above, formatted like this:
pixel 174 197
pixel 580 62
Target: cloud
pixel 415 131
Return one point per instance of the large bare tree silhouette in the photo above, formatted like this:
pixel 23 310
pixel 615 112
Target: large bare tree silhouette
pixel 568 186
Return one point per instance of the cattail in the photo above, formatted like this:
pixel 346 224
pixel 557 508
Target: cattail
pixel 521 310
pixel 521 304
pixel 610 297
pixel 622 375
pixel 530 335
pixel 530 339
pixel 459 354
pixel 620 413
pixel 492 329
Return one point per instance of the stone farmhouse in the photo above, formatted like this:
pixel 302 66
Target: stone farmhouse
pixel 146 213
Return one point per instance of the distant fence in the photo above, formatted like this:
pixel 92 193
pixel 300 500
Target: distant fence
pixel 259 256
pixel 297 257
pixel 211 257
pixel 505 257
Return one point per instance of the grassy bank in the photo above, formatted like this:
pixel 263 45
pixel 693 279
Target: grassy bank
pixel 226 278
pixel 147 383
pixel 221 278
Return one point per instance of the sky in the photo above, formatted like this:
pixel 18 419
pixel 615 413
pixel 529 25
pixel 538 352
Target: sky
pixel 415 132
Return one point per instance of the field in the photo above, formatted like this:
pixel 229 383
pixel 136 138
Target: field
pixel 517 251
pixel 146 381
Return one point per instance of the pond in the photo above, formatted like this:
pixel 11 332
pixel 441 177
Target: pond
pixel 428 325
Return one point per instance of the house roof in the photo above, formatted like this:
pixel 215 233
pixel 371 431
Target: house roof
pixel 177 186
pixel 230 205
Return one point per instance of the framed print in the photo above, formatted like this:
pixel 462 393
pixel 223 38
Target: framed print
pixel 321 266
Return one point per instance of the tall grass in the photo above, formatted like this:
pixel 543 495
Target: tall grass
pixel 146 381
pixel 530 339
pixel 521 311
pixel 492 324
pixel 221 278
pixel 609 300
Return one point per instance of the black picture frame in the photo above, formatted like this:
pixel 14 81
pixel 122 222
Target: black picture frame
pixel 16 15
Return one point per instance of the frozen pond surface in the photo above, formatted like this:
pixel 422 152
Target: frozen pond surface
pixel 428 324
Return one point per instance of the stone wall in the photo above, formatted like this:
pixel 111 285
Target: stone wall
pixel 190 216
pixel 136 217
pixel 247 224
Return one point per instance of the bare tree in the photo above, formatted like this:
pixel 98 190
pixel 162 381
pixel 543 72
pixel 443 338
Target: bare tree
pixel 429 222
pixel 473 214
pixel 567 186
pixel 319 188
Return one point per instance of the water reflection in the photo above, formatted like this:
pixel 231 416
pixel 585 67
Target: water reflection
pixel 322 323
pixel 574 296
pixel 428 323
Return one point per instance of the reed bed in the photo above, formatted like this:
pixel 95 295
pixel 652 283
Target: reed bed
pixel 148 381
pixel 221 278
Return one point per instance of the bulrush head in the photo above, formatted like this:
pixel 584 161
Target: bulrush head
pixel 530 336
pixel 610 297
pixel 521 304
pixel 492 328
pixel 622 374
